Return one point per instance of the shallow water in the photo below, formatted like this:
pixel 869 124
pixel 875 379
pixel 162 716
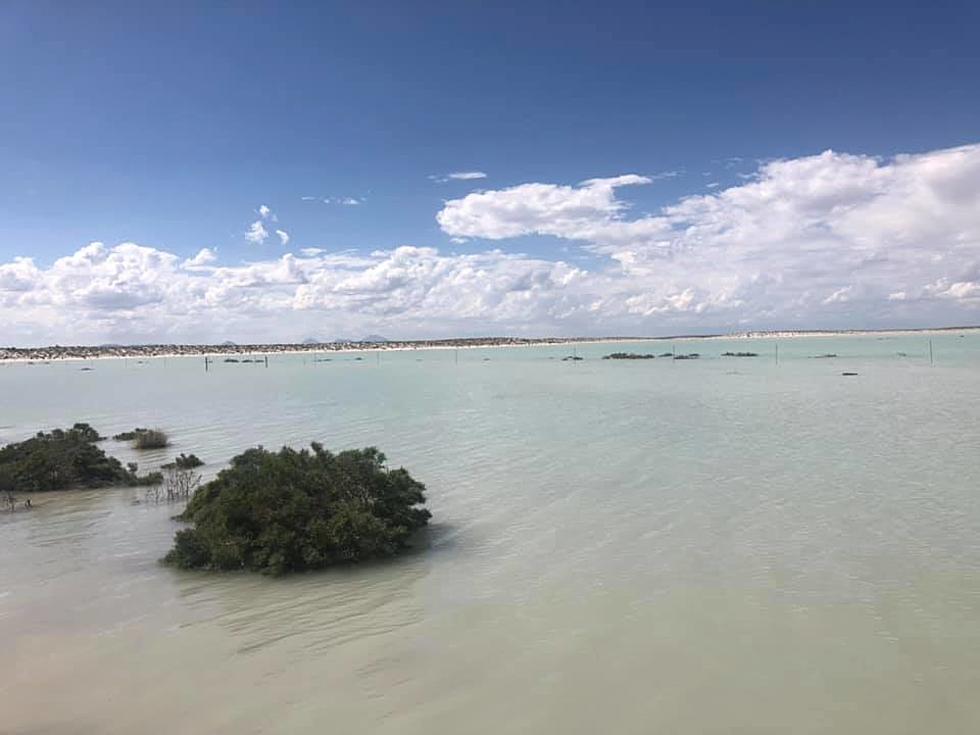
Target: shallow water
pixel 727 545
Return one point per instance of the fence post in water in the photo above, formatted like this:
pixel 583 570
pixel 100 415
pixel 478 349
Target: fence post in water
pixel 267 361
pixel 777 353
pixel 930 352
pixel 205 363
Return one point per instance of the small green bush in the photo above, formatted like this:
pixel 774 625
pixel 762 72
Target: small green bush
pixel 127 436
pixel 151 439
pixel 184 462
pixel 277 512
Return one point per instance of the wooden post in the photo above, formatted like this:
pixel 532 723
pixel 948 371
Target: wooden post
pixel 205 363
pixel 930 352
pixel 777 353
pixel 267 361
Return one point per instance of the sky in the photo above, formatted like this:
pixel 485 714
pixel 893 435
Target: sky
pixel 196 172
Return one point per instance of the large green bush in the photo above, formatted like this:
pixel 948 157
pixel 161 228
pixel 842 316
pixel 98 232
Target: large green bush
pixel 63 458
pixel 292 510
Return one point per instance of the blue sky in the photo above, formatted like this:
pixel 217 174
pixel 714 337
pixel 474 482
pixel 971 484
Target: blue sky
pixel 168 125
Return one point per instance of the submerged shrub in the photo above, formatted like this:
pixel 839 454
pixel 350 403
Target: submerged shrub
pixel 292 510
pixel 63 458
pixel 184 462
pixel 127 436
pixel 151 439
pixel 177 484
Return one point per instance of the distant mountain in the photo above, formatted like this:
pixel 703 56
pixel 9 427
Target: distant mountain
pixel 375 338
pixel 312 341
pixel 228 343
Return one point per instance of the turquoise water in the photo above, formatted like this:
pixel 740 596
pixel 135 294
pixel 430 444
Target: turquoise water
pixel 711 546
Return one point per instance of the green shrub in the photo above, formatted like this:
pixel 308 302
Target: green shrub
pixel 151 439
pixel 60 459
pixel 277 512
pixel 184 462
pixel 127 436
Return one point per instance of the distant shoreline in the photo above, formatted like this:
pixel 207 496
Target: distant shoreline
pixel 154 351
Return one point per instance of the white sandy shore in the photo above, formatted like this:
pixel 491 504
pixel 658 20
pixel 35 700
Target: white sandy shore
pixel 142 352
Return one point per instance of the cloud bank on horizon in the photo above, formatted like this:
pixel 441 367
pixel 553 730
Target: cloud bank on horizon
pixel 823 241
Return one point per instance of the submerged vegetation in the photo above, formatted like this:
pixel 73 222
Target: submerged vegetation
pixel 64 458
pixel 178 484
pixel 739 354
pixel 144 438
pixel 628 356
pixel 290 510
pixel 151 439
pixel 127 436
pixel 184 462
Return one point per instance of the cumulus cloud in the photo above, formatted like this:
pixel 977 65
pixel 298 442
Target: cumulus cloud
pixel 204 257
pixel 257 234
pixel 802 239
pixel 135 292
pixel 544 209
pixel 831 240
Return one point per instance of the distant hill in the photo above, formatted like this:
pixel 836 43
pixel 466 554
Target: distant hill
pixel 312 341
pixel 229 343
pixel 375 338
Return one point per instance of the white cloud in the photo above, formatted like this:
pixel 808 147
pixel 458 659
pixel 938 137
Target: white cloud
pixel 796 243
pixel 133 292
pixel 546 209
pixel 204 257
pixel 19 275
pixel 458 176
pixel 819 241
pixel 257 234
pixel 342 201
pixel 840 296
pixel 466 175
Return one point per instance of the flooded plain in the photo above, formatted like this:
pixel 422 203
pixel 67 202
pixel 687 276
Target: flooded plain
pixel 720 545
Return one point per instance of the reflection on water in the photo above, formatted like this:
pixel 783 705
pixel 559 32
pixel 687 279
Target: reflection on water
pixel 712 546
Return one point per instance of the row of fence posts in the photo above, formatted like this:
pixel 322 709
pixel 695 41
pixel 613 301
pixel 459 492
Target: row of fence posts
pixel 931 361
pixel 673 354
